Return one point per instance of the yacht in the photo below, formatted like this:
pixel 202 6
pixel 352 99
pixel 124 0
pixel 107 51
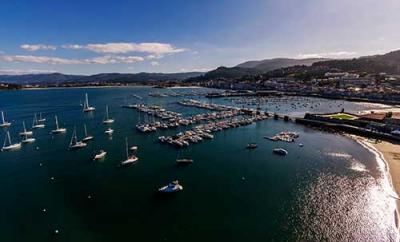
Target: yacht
pixel 25 132
pixel 130 159
pixel 4 123
pixel 280 151
pixel 36 124
pixel 109 131
pixel 75 144
pixel 58 130
pixel 86 106
pixel 27 139
pixel 8 145
pixel 87 137
pixel 108 120
pixel 171 188
pixel 100 155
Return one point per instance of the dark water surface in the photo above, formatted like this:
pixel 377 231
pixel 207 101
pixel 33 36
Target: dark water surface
pixel 329 190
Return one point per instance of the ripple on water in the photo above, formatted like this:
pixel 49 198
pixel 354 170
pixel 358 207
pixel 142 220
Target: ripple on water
pixel 343 208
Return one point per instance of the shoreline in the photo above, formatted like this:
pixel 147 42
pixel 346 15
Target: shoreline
pixel 388 158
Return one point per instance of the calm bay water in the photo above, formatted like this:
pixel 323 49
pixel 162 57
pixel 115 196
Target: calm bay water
pixel 331 189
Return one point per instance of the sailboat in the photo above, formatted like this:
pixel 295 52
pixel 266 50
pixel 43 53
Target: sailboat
pixel 100 155
pixel 27 139
pixel 87 137
pixel 130 159
pixel 36 124
pixel 41 120
pixel 86 107
pixel 58 130
pixel 108 120
pixel 109 131
pixel 8 145
pixel 4 123
pixel 75 144
pixel 25 132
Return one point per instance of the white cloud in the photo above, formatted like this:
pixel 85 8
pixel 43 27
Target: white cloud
pixel 37 47
pixel 155 63
pixel 118 48
pixel 196 69
pixel 21 71
pixel 64 61
pixel 339 54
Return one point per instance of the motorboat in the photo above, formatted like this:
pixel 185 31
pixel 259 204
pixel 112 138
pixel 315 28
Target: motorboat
pixel 100 155
pixel 184 161
pixel 172 187
pixel 251 146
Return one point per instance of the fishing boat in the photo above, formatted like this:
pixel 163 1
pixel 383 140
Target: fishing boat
pixel 58 130
pixel 4 123
pixel 86 106
pixel 27 139
pixel 130 159
pixel 36 124
pixel 75 144
pixel 100 155
pixel 109 131
pixel 25 132
pixel 8 145
pixel 87 137
pixel 108 120
pixel 280 151
pixel 41 120
pixel 172 187
pixel 251 146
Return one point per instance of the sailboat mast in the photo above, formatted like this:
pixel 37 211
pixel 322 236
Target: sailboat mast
pixel 23 124
pixel 84 126
pixel 2 117
pixel 126 143
pixel 56 121
pixel 87 100
pixel 9 139
pixel 107 112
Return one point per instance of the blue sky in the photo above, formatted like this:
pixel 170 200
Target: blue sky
pixel 87 37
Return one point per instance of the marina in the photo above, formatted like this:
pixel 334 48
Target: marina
pixel 216 146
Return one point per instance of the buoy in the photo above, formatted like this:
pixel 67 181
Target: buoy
pixel 56 231
pixel 89 196
pixel 44 210
pixel 243 178
pixel 40 164
pixel 52 178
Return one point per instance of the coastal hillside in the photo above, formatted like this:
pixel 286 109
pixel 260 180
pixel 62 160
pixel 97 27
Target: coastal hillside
pixel 277 63
pixel 57 78
pixel 388 63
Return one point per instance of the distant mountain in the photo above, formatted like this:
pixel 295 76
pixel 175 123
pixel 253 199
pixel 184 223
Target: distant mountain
pixel 58 78
pixel 227 73
pixel 277 63
pixel 388 63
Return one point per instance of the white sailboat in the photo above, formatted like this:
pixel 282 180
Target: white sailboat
pixel 130 159
pixel 8 145
pixel 58 130
pixel 86 106
pixel 36 124
pixel 41 120
pixel 25 132
pixel 108 120
pixel 27 139
pixel 4 123
pixel 87 137
pixel 109 131
pixel 100 155
pixel 75 144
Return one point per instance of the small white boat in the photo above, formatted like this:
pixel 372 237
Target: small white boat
pixel 280 151
pixel 87 136
pixel 25 132
pixel 130 159
pixel 8 145
pixel 75 144
pixel 86 106
pixel 133 148
pixel 108 120
pixel 251 146
pixel 27 139
pixel 58 130
pixel 172 187
pixel 36 124
pixel 109 131
pixel 184 161
pixel 4 123
pixel 100 155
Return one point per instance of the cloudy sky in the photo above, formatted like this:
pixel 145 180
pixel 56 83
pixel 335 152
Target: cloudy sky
pixel 87 37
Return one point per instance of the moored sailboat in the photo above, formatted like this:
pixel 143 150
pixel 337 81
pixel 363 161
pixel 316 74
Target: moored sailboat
pixel 4 123
pixel 86 106
pixel 25 132
pixel 75 144
pixel 58 130
pixel 100 155
pixel 108 120
pixel 130 159
pixel 36 124
pixel 8 145
pixel 87 137
pixel 27 139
